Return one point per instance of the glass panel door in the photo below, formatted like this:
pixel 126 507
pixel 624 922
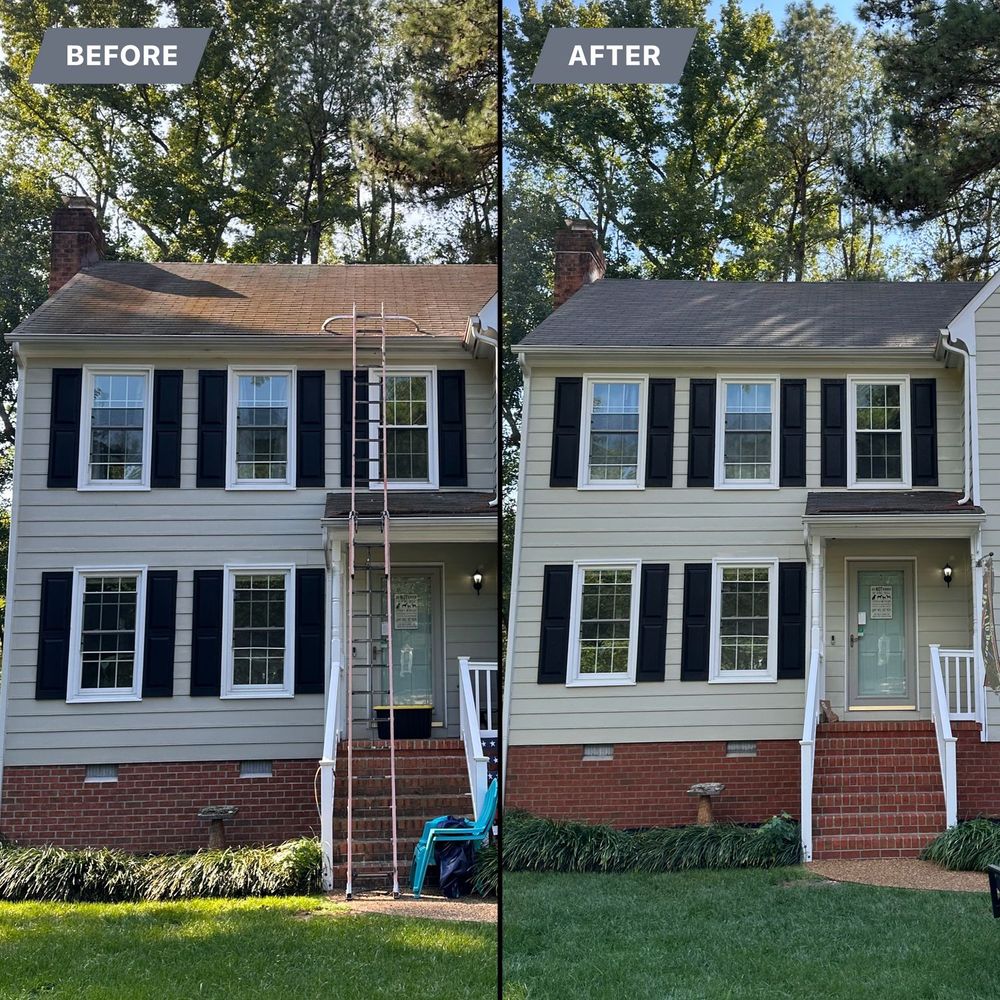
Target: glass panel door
pixel 414 639
pixel 882 629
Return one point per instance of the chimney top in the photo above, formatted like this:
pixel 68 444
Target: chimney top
pixel 79 201
pixel 77 240
pixel 581 225
pixel 579 259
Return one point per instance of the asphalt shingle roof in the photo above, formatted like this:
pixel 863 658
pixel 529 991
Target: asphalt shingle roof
pixel 413 503
pixel 845 314
pixel 136 299
pixel 888 502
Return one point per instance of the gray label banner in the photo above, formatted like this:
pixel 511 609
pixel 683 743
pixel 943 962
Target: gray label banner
pixel 613 55
pixel 119 55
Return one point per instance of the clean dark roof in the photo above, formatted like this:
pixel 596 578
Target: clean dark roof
pixel 614 313
pixel 415 503
pixel 135 299
pixel 889 502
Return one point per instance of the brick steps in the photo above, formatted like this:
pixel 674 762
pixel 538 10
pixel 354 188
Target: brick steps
pixel 876 790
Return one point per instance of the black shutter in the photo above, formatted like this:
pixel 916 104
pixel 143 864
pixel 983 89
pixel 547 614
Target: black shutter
pixel 212 391
pixel 697 630
pixel 310 430
pixel 833 438
pixel 923 431
pixel 553 646
pixel 792 444
pixel 660 433
pixel 565 468
pixel 53 636
pixel 206 629
pixel 347 427
pixel 64 427
pixel 310 620
pixel 452 463
pixel 652 647
pixel 791 620
pixel 168 400
pixel 161 629
pixel 701 433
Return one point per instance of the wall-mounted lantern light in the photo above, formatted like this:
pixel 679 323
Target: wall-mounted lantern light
pixel 477 581
pixel 947 572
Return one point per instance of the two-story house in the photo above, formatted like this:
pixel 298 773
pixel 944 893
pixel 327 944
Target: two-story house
pixel 180 576
pixel 753 525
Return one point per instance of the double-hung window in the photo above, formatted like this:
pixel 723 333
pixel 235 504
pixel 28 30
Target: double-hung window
pixel 106 635
pixel 744 621
pixel 604 616
pixel 878 452
pixel 410 421
pixel 615 429
pixel 257 632
pixel 116 428
pixel 261 418
pixel 747 446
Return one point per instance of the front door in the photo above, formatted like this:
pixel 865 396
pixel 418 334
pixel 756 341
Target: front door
pixel 882 650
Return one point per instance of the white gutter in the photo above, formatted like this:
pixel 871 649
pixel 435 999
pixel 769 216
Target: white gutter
pixel 508 677
pixel 967 475
pixel 11 568
pixel 479 337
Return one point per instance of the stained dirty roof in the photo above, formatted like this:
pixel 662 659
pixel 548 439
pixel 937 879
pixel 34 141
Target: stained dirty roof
pixel 141 299
pixel 888 502
pixel 754 314
pixel 413 503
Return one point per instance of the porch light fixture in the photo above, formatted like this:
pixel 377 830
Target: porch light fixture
pixel 477 581
pixel 947 572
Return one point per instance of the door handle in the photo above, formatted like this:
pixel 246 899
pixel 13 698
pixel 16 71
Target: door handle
pixel 853 638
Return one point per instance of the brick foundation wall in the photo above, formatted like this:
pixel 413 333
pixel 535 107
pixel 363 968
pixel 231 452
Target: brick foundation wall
pixel 646 783
pixel 978 766
pixel 153 807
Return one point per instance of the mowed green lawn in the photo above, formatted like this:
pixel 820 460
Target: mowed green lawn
pixel 740 934
pixel 262 949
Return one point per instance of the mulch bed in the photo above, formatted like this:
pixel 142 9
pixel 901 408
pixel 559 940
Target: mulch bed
pixel 900 873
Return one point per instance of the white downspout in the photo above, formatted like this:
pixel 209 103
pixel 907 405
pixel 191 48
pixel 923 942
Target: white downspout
pixel 331 722
pixel 478 337
pixel 968 477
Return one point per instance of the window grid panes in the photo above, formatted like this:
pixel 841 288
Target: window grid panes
pixel 744 618
pixel 748 425
pixel 117 415
pixel 605 621
pixel 107 634
pixel 614 432
pixel 262 427
pixel 259 629
pixel 407 429
pixel 879 434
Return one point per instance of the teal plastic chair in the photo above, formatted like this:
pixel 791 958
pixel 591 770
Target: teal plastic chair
pixel 423 854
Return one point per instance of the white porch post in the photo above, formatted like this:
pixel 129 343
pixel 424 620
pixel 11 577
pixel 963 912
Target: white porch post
pixel 977 633
pixel 814 691
pixel 334 708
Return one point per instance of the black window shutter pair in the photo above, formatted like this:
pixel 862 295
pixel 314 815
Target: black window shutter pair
pixel 451 429
pixel 791 441
pixel 51 677
pixel 207 637
pixel 557 594
pixel 697 622
pixel 64 428
pixel 310 429
pixel 566 432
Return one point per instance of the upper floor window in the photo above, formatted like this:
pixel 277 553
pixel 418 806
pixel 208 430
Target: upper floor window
pixel 745 603
pixel 115 445
pixel 604 623
pixel 879 424
pixel 747 445
pixel 260 421
pixel 410 438
pixel 259 627
pixel 615 432
pixel 106 636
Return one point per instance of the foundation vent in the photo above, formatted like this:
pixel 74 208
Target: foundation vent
pixel 741 748
pixel 256 769
pixel 599 751
pixel 99 773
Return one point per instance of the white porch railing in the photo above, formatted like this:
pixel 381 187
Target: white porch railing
pixel 961 687
pixel 478 702
pixel 814 691
pixel 328 770
pixel 941 713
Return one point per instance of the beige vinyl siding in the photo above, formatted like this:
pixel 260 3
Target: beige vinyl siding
pixel 675 525
pixel 188 529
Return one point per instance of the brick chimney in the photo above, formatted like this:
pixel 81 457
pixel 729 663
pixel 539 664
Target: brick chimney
pixel 579 259
pixel 77 240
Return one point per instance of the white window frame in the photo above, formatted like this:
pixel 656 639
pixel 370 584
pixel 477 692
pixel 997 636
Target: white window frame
pixel 903 381
pixel 715 674
pixel 375 427
pixel 229 690
pixel 721 483
pixel 232 481
pixel 573 676
pixel 84 482
pixel 75 692
pixel 584 482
